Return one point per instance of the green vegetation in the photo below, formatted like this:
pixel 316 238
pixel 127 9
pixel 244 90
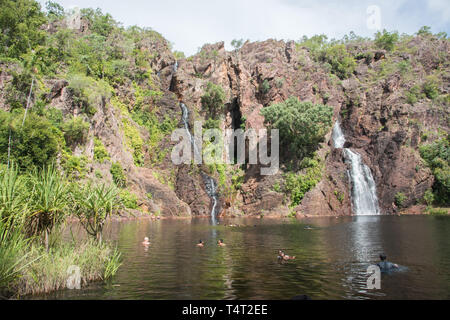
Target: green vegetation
pixel 400 199
pixel 438 211
pixel 213 100
pixel 93 204
pixel 134 141
pixel 413 95
pixel 118 175
pixel 32 207
pixel 437 156
pixel 33 144
pixel 75 130
pixel 237 44
pixel 428 197
pixel 430 87
pixel 20 22
pixel 298 184
pixel 74 166
pixel 264 87
pixel 332 54
pixel 340 61
pixel 386 40
pixel 302 125
pixel 129 200
pixel 100 152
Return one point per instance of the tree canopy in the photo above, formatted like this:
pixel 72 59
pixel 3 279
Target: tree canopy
pixel 302 125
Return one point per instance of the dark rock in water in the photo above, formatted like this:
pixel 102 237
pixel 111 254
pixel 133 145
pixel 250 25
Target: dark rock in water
pixel 301 297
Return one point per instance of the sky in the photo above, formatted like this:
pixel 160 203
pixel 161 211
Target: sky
pixel 188 25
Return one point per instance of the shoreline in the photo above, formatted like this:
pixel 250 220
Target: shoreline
pixel 412 211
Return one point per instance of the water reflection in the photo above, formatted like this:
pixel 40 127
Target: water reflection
pixel 332 259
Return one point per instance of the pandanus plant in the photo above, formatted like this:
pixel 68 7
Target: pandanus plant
pixel 93 204
pixel 13 198
pixel 48 201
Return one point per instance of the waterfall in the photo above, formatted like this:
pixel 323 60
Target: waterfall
pixel 210 184
pixel 338 136
pixel 363 187
pixel 175 66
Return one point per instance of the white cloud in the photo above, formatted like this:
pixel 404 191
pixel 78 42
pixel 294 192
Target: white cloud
pixel 190 24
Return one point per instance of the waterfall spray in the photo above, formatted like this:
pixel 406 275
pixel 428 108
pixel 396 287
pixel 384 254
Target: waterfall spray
pixel 362 184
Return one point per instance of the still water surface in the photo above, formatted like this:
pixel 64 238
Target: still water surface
pixel 332 259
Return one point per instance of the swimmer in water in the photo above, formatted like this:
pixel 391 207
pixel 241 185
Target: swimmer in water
pixel 146 242
pixel 220 243
pixel 200 244
pixel 285 257
pixel 386 265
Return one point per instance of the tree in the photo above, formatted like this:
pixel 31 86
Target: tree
pixel 302 125
pixel 341 62
pixel 213 100
pixel 93 204
pixel 55 11
pixel 437 157
pixel 75 130
pixel 386 40
pixel 35 144
pixel 237 44
pixel 20 26
pixel 424 31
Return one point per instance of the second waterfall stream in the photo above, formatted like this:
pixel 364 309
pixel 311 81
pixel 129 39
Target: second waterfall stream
pixel 363 186
pixel 210 184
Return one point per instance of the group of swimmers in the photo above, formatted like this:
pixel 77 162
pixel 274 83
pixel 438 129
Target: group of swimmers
pixel 220 243
pixel 384 265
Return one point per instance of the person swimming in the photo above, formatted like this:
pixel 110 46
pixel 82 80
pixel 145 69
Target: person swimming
pixel 220 243
pixel 386 265
pixel 284 256
pixel 146 241
pixel 200 243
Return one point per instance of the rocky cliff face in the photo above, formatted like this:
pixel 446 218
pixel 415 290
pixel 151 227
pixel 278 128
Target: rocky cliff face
pixel 376 119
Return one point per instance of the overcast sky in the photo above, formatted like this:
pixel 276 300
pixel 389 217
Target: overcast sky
pixel 190 24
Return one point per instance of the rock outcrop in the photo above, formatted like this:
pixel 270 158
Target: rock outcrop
pixel 376 119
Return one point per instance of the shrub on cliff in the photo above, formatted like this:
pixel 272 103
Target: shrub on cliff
pixel 100 152
pixel 213 99
pixel 75 130
pixel 34 144
pixel 302 125
pixel 341 62
pixel 437 157
pixel 400 199
pixel 118 175
pixel 20 25
pixel 298 184
pixel 386 40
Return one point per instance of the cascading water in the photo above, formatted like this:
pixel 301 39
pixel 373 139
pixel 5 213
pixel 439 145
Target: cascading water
pixel 363 187
pixel 175 66
pixel 210 184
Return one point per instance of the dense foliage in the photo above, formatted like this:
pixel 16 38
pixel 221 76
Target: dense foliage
pixel 213 99
pixel 437 157
pixel 302 125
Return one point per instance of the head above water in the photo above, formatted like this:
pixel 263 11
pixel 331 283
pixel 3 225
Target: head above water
pixel 146 239
pixel 200 241
pixel 382 257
